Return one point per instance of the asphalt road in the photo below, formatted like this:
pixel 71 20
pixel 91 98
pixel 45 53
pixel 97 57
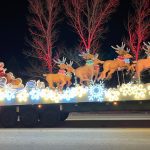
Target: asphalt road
pixel 83 132
pixel 75 139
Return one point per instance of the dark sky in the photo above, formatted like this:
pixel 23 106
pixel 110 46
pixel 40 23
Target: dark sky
pixel 13 29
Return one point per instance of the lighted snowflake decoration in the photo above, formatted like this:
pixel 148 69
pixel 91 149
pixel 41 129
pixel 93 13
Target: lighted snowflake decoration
pixel 112 94
pixel 3 82
pixel 50 95
pixel 57 97
pixel 96 92
pixel 148 88
pixel 139 91
pixel 10 95
pixel 31 84
pixel 69 93
pixel 35 94
pixel 22 96
pixel 126 89
pixel 46 94
pixel 2 94
pixel 80 91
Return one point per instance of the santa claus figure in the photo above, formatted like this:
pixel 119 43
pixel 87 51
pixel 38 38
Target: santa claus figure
pixel 2 70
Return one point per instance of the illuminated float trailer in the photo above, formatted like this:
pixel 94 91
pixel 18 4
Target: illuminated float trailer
pixel 35 104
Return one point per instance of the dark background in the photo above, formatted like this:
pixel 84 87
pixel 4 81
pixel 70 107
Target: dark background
pixel 14 29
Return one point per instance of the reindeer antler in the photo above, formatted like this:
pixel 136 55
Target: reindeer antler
pixel 58 61
pixel 146 47
pixel 85 53
pixel 96 56
pixel 128 50
pixel 70 63
pixel 82 54
pixel 119 47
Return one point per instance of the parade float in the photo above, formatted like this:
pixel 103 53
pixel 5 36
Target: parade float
pixel 79 88
pixel 71 88
pixel 82 84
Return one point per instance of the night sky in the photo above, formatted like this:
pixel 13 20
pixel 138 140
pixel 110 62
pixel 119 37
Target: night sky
pixel 14 29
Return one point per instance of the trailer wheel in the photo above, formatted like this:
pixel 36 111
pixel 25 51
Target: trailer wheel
pixel 50 118
pixel 8 118
pixel 29 117
pixel 63 115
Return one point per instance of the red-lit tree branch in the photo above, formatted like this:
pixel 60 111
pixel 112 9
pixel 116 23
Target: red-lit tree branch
pixel 42 22
pixel 138 25
pixel 88 18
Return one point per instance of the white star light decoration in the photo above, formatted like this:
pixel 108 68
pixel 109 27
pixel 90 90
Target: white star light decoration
pixel 96 92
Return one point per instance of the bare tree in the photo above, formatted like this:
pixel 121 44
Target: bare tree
pixel 35 69
pixel 73 55
pixel 88 18
pixel 138 25
pixel 42 22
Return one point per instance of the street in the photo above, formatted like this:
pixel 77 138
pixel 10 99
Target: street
pixel 83 134
pixel 75 139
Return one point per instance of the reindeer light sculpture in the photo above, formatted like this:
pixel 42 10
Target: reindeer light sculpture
pixel 87 55
pixel 86 72
pixel 89 60
pixel 61 78
pixel 122 62
pixel 143 64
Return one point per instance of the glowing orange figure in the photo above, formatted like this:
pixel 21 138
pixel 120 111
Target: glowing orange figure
pixel 143 64
pixel 122 62
pixel 86 72
pixel 61 78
